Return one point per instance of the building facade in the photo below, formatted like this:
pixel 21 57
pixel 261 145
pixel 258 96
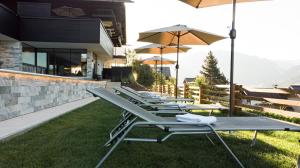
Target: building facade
pixel 72 38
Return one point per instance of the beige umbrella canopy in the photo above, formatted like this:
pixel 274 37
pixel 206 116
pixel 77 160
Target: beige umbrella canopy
pixel 209 3
pixel 232 34
pixel 171 36
pixel 157 60
pixel 160 49
pixel 178 35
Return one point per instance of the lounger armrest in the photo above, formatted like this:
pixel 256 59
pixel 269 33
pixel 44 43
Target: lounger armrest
pixel 173 123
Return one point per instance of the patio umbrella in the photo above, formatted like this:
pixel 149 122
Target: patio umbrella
pixel 178 35
pixel 68 11
pixel 232 34
pixel 157 60
pixel 160 49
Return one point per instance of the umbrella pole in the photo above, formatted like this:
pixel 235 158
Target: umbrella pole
pixel 232 35
pixel 156 73
pixel 161 68
pixel 177 66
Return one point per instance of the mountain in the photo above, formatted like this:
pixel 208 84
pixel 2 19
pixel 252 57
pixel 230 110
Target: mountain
pixel 291 76
pixel 248 70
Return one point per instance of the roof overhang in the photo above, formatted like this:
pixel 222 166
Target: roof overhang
pixel 97 48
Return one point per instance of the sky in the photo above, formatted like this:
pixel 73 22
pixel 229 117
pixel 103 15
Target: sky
pixel 267 29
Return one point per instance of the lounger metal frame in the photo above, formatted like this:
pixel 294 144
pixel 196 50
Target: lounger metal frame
pixel 129 122
pixel 122 133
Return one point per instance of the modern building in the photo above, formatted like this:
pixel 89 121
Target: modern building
pixel 65 38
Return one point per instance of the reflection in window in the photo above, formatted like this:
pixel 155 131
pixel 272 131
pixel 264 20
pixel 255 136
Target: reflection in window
pixel 41 62
pixel 42 59
pixel 28 58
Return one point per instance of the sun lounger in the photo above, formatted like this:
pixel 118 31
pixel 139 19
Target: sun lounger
pixel 161 105
pixel 148 95
pixel 174 127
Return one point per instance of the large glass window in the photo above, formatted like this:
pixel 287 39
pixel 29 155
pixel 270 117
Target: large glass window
pixel 62 58
pixel 28 59
pixel 42 59
pixel 62 62
pixel 78 63
pixel 41 62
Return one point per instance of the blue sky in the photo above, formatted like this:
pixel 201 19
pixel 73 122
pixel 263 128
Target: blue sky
pixel 269 29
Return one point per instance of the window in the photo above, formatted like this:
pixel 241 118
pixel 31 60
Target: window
pixel 42 59
pixel 62 62
pixel 28 58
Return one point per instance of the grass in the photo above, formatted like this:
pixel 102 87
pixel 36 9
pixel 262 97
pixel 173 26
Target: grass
pixel 76 140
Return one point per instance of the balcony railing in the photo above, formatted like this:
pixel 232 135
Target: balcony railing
pixel 33 69
pixel 105 40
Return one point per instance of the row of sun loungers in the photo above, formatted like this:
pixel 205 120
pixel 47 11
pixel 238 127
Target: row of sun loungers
pixel 185 124
pixel 167 104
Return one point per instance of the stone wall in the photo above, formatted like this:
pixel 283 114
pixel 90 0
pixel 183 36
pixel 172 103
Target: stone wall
pixel 22 93
pixel 11 55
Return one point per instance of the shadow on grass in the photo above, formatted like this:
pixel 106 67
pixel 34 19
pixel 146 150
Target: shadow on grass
pixel 76 140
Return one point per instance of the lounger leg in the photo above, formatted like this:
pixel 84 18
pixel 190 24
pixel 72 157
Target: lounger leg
pixel 114 146
pixel 254 139
pixel 228 149
pixel 211 112
pixel 210 140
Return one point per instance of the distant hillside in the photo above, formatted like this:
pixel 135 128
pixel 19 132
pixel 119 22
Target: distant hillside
pixel 291 76
pixel 249 70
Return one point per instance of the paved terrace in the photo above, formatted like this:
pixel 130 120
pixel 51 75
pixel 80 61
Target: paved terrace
pixel 21 124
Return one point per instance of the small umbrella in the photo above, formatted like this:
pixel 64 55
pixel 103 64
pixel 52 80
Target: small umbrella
pixel 157 60
pixel 160 49
pixel 68 11
pixel 232 34
pixel 178 35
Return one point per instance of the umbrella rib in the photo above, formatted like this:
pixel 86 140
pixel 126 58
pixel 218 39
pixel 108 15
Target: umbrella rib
pixel 173 34
pixel 198 5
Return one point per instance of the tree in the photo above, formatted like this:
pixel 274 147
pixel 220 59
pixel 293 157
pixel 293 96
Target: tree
pixel 211 72
pixel 130 57
pixel 200 80
pixel 145 76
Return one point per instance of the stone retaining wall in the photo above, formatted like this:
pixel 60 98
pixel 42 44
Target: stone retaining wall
pixel 22 93
pixel 10 55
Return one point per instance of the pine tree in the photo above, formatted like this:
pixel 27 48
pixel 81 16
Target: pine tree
pixel 211 72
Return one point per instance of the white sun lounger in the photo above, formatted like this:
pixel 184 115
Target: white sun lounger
pixel 163 99
pixel 175 128
pixel 161 105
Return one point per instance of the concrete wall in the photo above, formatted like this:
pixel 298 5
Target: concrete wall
pixel 22 93
pixel 10 55
pixel 90 65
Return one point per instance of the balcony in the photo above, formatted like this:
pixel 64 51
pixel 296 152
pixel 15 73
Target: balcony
pixel 66 32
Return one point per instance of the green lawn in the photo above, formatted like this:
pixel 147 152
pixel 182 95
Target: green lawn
pixel 76 140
